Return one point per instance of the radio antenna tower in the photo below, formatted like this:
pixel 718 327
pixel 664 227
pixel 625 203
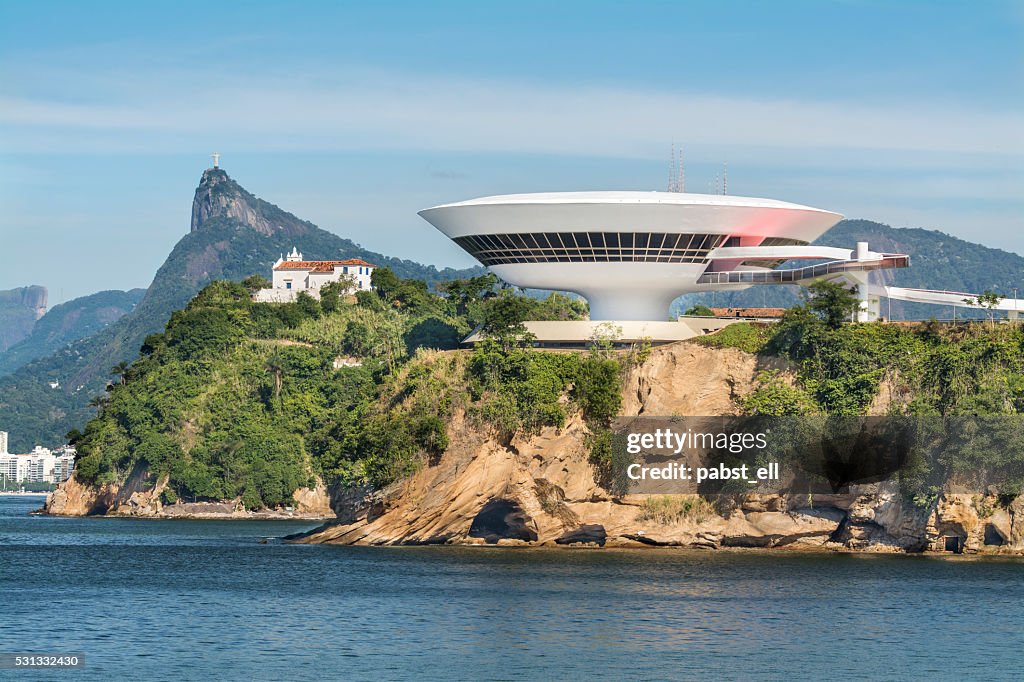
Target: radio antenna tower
pixel 725 177
pixel 671 168
pixel 676 172
pixel 681 176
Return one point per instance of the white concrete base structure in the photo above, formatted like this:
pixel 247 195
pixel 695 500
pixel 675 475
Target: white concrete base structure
pixel 576 333
pixel 615 291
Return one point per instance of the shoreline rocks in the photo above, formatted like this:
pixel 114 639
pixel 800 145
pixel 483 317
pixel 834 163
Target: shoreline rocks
pixel 73 498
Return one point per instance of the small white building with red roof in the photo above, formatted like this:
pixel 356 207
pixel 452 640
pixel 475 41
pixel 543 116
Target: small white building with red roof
pixel 293 274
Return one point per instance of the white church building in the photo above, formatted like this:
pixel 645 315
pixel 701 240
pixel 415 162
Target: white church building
pixel 292 275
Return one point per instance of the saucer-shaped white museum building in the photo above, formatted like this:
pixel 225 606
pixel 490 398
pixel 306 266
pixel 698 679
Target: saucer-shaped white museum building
pixel 631 253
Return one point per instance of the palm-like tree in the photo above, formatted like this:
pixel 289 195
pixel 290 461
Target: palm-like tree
pixel 275 365
pixel 98 402
pixel 120 370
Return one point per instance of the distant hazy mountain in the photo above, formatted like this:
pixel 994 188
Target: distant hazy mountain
pixel 937 261
pixel 68 322
pixel 233 235
pixel 19 310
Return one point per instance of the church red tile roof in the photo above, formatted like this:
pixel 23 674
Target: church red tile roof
pixel 320 265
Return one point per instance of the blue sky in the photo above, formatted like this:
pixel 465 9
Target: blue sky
pixel 356 115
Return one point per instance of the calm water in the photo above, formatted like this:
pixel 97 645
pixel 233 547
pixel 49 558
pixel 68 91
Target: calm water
pixel 204 600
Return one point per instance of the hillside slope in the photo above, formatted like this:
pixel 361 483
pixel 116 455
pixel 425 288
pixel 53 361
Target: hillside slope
pixel 233 235
pixel 19 310
pixel 68 322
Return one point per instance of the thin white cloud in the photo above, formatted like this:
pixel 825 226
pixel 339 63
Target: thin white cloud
pixel 386 111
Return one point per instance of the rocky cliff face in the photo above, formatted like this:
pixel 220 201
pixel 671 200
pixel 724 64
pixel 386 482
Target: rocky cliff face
pixel 19 310
pixel 218 196
pixel 542 489
pixel 72 498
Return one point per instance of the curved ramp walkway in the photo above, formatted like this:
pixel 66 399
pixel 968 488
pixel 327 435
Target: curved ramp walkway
pixel 811 272
pixel 936 297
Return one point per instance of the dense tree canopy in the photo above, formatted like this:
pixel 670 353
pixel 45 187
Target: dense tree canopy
pixel 237 399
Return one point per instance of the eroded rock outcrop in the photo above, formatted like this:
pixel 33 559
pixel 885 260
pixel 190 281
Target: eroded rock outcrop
pixel 19 310
pixel 73 498
pixel 138 499
pixel 688 379
pixel 542 489
pixel 220 197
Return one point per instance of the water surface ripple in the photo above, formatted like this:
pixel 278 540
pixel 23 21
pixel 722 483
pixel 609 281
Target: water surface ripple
pixel 163 599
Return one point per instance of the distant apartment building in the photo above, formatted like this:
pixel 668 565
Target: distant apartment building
pixel 3 442
pixel 39 466
pixel 63 463
pixel 293 275
pixel 13 467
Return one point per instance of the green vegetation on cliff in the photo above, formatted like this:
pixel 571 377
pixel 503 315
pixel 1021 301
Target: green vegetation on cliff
pixel 255 400
pixel 953 394
pixel 931 368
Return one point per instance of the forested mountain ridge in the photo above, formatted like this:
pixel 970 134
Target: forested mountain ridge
pixel 68 322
